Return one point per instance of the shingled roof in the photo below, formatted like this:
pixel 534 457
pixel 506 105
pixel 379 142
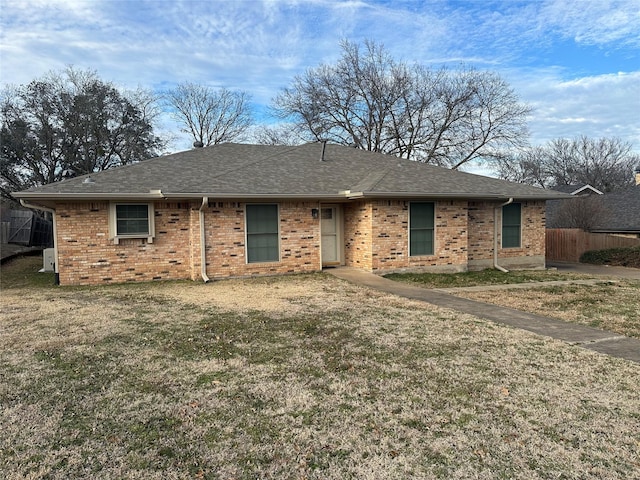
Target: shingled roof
pixel 313 170
pixel 623 212
pixel 581 189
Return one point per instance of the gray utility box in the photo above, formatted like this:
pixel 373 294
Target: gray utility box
pixel 48 260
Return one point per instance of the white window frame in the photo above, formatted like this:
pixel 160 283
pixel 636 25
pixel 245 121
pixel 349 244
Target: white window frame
pixel 246 233
pixel 113 223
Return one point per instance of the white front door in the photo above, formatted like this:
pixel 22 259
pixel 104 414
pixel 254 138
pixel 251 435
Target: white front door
pixel 331 235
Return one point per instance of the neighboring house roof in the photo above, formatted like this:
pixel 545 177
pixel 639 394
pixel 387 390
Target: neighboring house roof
pixel 616 212
pixel 312 170
pixel 623 212
pixel 577 189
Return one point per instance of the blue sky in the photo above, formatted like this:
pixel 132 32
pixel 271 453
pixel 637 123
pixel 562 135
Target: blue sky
pixel 576 62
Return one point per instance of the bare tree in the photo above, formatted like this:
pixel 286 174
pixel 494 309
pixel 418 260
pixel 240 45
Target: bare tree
pixel 604 163
pixel 373 102
pixel 280 134
pixel 583 212
pixel 210 116
pixel 522 166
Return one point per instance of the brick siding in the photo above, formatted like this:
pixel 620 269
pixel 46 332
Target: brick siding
pixel 375 239
pixel 225 241
pixel 358 243
pixel 89 256
pixel 389 245
pixel 531 253
pixel 481 228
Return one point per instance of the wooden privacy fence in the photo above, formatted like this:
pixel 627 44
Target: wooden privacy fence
pixel 567 244
pixel 5 228
pixel 28 229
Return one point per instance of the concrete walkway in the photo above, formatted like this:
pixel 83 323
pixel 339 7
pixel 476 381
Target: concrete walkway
pixel 597 270
pixel 587 337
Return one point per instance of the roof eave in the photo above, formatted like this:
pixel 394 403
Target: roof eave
pixel 44 196
pixel 159 195
pixel 50 198
pixel 257 196
pixel 465 196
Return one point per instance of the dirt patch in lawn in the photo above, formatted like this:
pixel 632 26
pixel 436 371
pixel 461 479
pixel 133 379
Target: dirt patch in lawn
pixel 285 295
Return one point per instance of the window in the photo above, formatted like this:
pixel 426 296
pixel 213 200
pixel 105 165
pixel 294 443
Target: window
pixel 511 223
pixel 132 220
pixel 421 222
pixel 262 233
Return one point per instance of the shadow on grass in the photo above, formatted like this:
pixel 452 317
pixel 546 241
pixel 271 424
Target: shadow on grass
pixel 24 271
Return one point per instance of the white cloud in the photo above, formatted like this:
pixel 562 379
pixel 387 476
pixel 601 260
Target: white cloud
pixel 258 46
pixel 596 106
pixel 595 22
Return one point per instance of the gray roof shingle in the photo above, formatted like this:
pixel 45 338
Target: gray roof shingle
pixel 623 211
pixel 239 170
pixel 617 212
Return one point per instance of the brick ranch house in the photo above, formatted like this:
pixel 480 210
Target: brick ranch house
pixel 235 210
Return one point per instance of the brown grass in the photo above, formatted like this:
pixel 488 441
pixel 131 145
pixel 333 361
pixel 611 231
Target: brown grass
pixel 609 305
pixel 297 377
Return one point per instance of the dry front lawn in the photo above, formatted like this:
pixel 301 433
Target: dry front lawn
pixel 609 305
pixel 301 377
